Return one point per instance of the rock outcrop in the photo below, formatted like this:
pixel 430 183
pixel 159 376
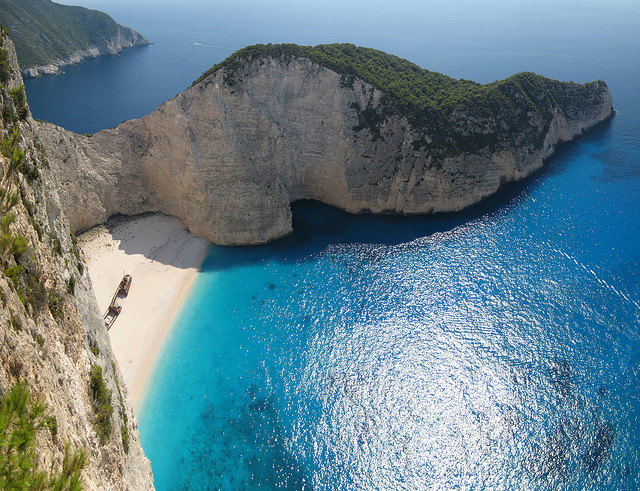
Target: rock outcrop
pixel 51 330
pixel 229 154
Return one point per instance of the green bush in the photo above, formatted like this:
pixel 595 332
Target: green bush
pixel 101 402
pixel 15 323
pixel 20 100
pixel 32 174
pixel 71 285
pixel 5 68
pixel 76 252
pixel 20 420
pixel 52 423
pixel 13 273
pixel 55 304
pixel 18 95
pixel 35 294
pixel 8 116
pixel 10 244
pixel 125 438
pixel 56 245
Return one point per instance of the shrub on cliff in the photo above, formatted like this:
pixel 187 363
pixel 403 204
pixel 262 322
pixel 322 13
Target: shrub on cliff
pixel 5 69
pixel 20 100
pixel 21 418
pixel 101 401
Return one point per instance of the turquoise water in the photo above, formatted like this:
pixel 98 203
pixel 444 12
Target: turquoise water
pixel 494 349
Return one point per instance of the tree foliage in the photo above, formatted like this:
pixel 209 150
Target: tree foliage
pixel 10 244
pixel 21 417
pixel 5 68
pixel 431 100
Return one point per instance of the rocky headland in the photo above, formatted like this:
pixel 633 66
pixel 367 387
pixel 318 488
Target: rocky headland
pixel 124 38
pixel 351 127
pixel 49 36
pixel 279 123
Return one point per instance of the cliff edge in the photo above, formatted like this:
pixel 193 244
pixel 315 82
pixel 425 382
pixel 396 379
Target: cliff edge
pixel 279 123
pixel 52 337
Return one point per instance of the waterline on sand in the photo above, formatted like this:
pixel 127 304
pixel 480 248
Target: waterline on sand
pixel 163 258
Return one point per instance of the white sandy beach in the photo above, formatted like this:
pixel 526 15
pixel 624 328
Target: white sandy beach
pixel 163 259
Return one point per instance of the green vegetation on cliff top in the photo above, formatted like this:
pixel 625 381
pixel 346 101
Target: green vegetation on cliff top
pixel 44 31
pixel 405 81
pixel 429 99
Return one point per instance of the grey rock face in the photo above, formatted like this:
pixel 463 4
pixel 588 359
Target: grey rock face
pixel 229 160
pixel 53 350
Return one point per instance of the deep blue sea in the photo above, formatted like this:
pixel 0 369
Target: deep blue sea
pixel 494 349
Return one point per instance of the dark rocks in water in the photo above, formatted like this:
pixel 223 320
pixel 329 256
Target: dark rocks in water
pixel 260 405
pixel 601 448
pixel 573 428
pixel 561 377
pixel 625 470
pixel 551 460
pixel 520 377
pixel 346 383
pixel 257 403
pixel 252 391
pixel 365 430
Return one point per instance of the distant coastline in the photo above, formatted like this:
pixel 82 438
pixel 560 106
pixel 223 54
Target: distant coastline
pixel 55 68
pixel 48 35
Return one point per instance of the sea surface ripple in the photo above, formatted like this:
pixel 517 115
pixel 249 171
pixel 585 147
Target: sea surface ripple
pixel 497 349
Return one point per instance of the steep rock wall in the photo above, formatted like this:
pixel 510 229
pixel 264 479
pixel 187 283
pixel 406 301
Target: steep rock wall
pixel 228 159
pixel 50 328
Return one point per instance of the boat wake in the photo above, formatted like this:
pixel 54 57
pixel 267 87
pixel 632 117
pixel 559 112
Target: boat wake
pixel 208 45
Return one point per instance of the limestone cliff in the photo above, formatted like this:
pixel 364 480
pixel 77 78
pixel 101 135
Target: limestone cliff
pixel 51 332
pixel 231 153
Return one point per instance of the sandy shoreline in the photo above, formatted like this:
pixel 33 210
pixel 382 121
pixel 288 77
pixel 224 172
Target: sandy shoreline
pixel 163 259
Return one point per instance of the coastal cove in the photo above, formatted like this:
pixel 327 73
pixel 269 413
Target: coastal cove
pixel 163 260
pixel 497 347
pixel 418 352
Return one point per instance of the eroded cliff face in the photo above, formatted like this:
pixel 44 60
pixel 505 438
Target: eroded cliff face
pixel 125 38
pixel 50 327
pixel 228 159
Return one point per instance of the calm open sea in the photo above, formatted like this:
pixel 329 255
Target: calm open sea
pixel 494 349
